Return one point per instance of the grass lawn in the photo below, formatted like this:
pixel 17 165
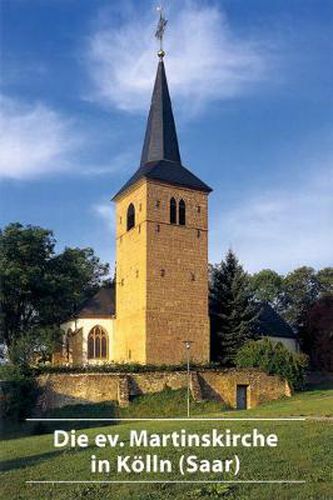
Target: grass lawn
pixel 304 452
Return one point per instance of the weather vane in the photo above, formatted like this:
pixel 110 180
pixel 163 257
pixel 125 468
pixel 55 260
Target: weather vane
pixel 159 33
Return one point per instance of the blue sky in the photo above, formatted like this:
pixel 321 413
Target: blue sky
pixel 251 83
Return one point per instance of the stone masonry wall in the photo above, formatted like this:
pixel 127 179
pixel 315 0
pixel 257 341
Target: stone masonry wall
pixel 162 277
pixel 131 291
pixel 177 276
pixel 261 387
pixel 59 390
pixel 63 389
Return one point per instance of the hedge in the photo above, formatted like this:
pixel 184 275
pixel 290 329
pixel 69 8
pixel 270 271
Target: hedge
pixel 274 359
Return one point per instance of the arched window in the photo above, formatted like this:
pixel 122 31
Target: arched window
pixel 104 347
pixel 97 347
pixel 97 343
pixel 173 211
pixel 130 217
pixel 182 213
pixel 91 347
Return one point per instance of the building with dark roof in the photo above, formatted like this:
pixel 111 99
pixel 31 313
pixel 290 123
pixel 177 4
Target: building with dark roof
pixel 161 294
pixel 97 317
pixel 159 303
pixel 269 325
pixel 101 305
pixel 161 248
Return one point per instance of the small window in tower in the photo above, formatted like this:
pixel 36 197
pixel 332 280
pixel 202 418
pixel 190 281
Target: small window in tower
pixel 198 209
pixel 173 211
pixel 140 207
pixel 120 220
pixel 182 213
pixel 158 228
pixel 130 217
pixel 198 233
pixel 139 228
pixel 157 204
pixel 192 277
pixel 162 273
pixel 137 273
pixel 122 282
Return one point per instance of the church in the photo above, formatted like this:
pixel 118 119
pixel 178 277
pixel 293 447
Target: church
pixel 158 306
pixel 160 298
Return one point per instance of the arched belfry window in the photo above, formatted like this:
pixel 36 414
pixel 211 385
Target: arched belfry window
pixel 130 217
pixel 97 343
pixel 182 213
pixel 173 211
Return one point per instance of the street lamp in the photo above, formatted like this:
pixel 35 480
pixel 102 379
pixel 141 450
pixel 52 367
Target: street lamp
pixel 187 345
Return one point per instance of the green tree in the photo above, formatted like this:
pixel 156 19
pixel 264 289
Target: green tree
pixel 301 289
pixel 317 333
pixel 267 286
pixel 325 279
pixel 232 301
pixel 74 275
pixel 295 294
pixel 39 288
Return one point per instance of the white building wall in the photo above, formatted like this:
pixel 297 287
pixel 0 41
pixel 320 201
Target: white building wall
pixel 87 324
pixel 290 344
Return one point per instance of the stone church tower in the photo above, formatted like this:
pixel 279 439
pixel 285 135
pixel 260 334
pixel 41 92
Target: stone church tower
pixel 161 249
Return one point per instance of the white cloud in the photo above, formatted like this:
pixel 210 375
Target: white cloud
pixel 280 229
pixel 205 61
pixel 34 140
pixel 105 211
pixel 119 163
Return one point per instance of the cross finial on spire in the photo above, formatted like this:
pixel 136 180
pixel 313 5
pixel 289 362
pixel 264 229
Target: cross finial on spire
pixel 159 33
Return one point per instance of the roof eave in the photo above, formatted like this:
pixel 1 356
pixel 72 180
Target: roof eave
pixel 123 191
pixel 205 188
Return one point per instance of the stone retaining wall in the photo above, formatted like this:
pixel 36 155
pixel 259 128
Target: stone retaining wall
pixel 62 389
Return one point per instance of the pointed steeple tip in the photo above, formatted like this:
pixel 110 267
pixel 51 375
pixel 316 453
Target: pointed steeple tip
pixel 160 158
pixel 161 142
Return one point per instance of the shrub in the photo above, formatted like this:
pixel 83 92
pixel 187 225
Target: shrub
pixel 274 359
pixel 20 392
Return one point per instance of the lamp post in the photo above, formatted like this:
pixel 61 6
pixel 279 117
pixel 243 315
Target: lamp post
pixel 187 345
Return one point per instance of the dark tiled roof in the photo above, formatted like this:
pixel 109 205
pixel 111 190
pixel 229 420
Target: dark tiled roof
pixel 102 304
pixel 271 324
pixel 160 159
pixel 168 172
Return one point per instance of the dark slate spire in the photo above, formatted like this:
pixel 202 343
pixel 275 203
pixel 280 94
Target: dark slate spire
pixel 161 141
pixel 160 159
